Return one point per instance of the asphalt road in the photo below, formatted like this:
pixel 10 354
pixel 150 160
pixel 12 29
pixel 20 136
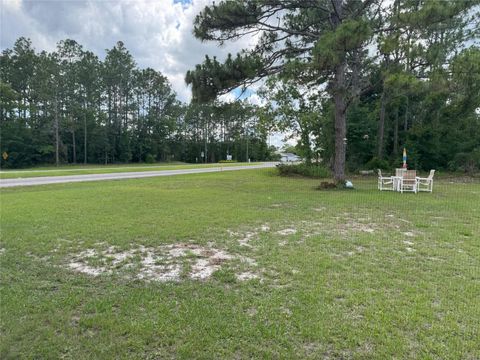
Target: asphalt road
pixel 44 180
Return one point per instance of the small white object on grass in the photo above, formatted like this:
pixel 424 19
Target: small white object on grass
pixel 348 184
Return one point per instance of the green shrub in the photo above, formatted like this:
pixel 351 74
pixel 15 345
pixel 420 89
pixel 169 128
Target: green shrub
pixel 468 162
pixel 314 170
pixel 227 161
pixel 376 163
pixel 150 159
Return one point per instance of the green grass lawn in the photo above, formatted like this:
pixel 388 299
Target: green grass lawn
pixel 104 169
pixel 355 274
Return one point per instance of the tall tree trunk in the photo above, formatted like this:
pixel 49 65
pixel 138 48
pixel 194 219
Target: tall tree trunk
pixel 405 122
pixel 206 139
pixel 395 135
pixel 74 145
pixel 305 136
pixel 339 99
pixel 381 125
pixel 85 137
pixel 247 155
pixel 340 123
pixel 57 137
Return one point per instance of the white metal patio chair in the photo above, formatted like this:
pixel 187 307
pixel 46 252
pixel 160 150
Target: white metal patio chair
pixel 426 184
pixel 385 182
pixel 409 181
pixel 397 179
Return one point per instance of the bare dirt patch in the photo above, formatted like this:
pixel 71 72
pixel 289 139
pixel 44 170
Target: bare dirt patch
pixel 288 231
pixel 244 241
pixel 163 263
pixel 244 238
pixel 355 226
pixel 264 228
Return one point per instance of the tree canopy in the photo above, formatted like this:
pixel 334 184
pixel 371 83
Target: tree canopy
pixel 68 106
pixel 334 46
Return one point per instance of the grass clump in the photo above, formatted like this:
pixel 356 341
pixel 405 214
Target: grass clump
pixel 305 170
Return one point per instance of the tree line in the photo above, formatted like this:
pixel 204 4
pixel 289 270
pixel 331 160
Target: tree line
pixel 69 106
pixel 370 76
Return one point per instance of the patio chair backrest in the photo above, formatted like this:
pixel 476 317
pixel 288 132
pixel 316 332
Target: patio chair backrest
pixel 430 176
pixel 400 171
pixel 409 175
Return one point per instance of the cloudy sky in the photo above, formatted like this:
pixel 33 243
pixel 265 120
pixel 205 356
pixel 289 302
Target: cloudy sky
pixel 158 33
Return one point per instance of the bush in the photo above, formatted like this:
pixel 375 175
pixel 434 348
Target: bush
pixel 376 163
pixel 227 161
pixel 150 159
pixel 313 171
pixel 468 162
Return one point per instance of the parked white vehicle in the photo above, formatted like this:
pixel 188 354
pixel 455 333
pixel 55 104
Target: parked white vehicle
pixel 289 157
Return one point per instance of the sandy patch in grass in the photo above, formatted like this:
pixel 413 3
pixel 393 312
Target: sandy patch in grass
pixel 281 205
pixel 152 270
pixel 247 260
pixel 251 311
pixel 346 225
pixel 93 262
pixel 288 231
pixel 355 226
pixel 264 228
pixel 349 225
pixel 247 275
pixel 86 269
pixel 164 263
pixel 244 238
pixel 358 250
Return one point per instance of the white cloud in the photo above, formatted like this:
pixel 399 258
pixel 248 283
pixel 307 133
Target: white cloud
pixel 254 99
pixel 227 98
pixel 157 33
